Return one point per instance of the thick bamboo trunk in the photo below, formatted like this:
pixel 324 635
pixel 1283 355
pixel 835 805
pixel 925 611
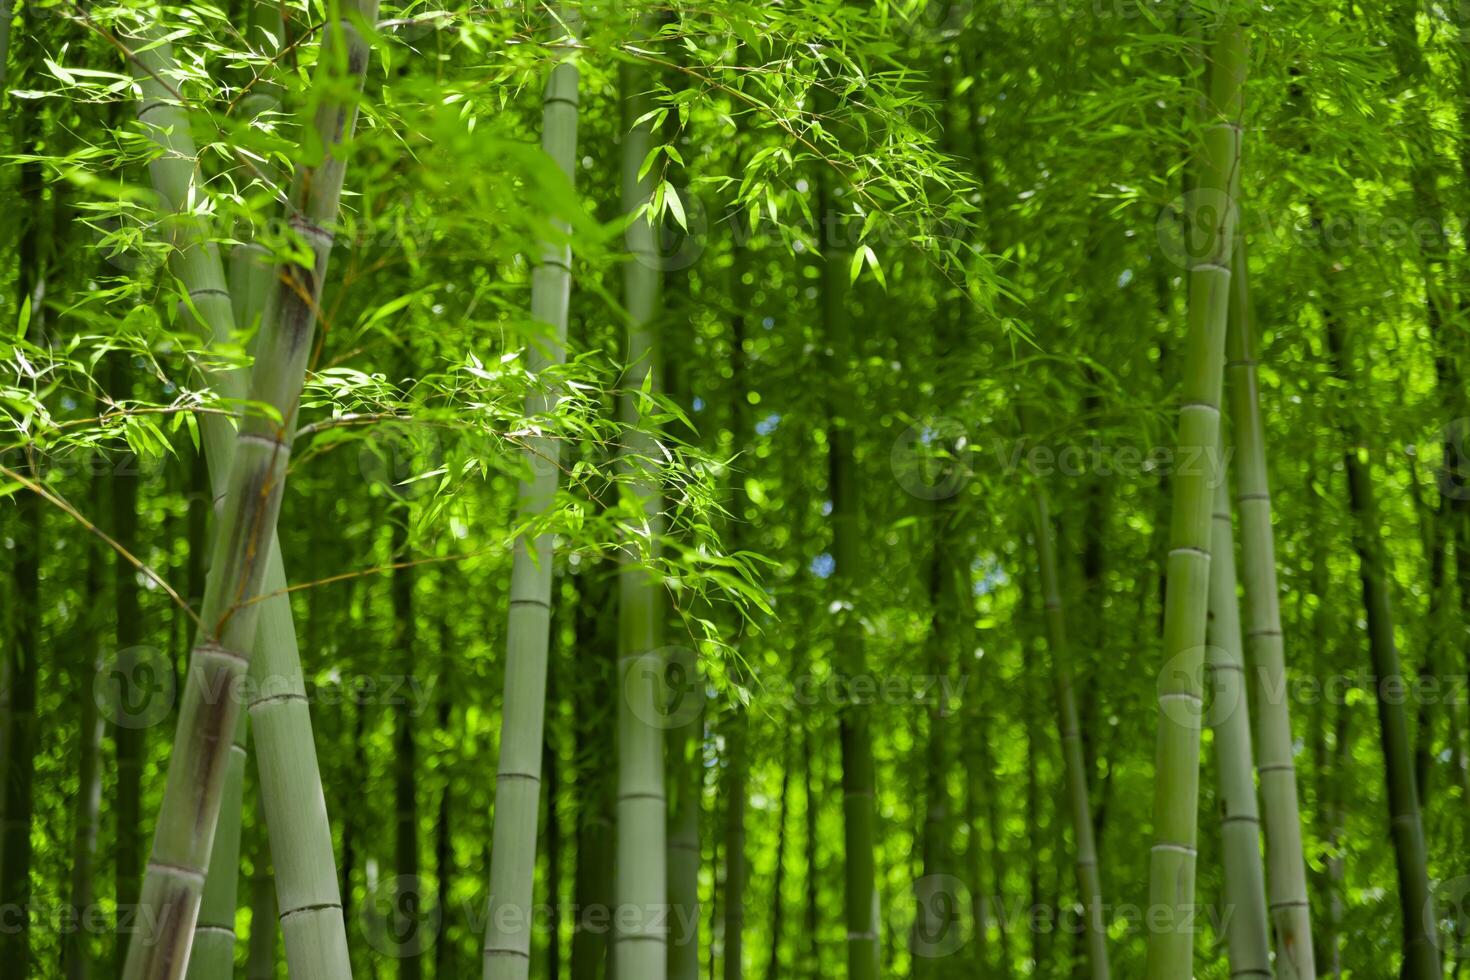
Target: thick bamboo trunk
pixel 248 286
pixel 243 550
pixel 640 936
pixel 1089 882
pixel 1286 879
pixel 507 948
pixel 1247 931
pixel 1176 776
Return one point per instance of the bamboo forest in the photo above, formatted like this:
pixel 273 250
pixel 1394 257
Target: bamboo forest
pixel 735 490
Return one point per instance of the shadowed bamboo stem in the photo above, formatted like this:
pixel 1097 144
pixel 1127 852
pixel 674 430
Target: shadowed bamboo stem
pixel 1089 881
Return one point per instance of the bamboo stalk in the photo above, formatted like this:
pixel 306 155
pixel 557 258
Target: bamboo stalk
pixel 686 776
pixel 76 948
pixel 1089 881
pixel 640 937
pixel 1176 776
pixel 596 662
pixel 736 867
pixel 1406 826
pixel 507 948
pixel 291 781
pixel 243 549
pixel 864 949
pixel 1248 936
pixel 1287 871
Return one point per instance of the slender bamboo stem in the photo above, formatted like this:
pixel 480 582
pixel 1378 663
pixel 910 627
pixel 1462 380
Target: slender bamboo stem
pixel 244 547
pixel 507 949
pixel 1248 934
pixel 1176 776
pixel 686 777
pixel 1287 878
pixel 1406 826
pixel 736 867
pixel 864 949
pixel 640 938
pixel 76 948
pixel 596 649
pixel 1089 881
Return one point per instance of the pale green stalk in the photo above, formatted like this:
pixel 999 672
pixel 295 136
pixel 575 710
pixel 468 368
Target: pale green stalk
pixel 317 940
pixel 1247 932
pixel 209 710
pixel 640 936
pixel 507 950
pixel 1287 878
pixel 1180 688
